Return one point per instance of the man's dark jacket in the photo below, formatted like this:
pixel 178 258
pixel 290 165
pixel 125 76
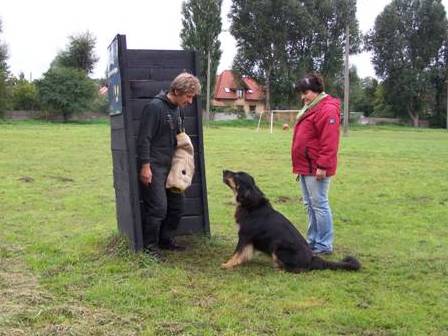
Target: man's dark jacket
pixel 159 125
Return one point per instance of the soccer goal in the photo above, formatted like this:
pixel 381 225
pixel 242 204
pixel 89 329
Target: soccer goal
pixel 292 114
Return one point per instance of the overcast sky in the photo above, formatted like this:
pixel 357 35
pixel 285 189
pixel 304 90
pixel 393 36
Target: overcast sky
pixel 36 30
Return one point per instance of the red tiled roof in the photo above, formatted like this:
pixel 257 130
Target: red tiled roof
pixel 255 91
pixel 226 80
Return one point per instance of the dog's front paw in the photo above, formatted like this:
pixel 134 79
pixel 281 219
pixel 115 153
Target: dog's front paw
pixel 226 265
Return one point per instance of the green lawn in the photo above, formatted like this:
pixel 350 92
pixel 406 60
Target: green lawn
pixel 64 270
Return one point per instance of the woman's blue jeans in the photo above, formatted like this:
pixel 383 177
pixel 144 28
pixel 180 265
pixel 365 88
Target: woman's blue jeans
pixel 320 220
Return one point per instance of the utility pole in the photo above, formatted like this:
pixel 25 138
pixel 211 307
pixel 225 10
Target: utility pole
pixel 346 81
pixel 207 110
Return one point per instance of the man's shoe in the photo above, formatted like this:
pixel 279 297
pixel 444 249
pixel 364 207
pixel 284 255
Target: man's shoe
pixel 155 254
pixel 171 245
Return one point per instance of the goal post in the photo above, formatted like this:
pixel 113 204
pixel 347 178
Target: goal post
pixel 271 117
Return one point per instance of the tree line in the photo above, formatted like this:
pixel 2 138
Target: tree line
pixel 65 89
pixel 278 41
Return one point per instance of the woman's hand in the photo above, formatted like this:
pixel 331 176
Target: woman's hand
pixel 321 174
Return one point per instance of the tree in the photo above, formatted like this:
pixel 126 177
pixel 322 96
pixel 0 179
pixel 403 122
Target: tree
pixel 318 40
pixel 79 53
pixel 4 74
pixel 201 26
pixel 406 42
pixel 3 52
pixel 381 108
pixel 261 32
pixel 439 83
pixel 356 92
pixel 362 93
pixel 66 91
pixel 366 103
pixel 281 40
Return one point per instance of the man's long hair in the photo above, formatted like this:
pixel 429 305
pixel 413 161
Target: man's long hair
pixel 185 83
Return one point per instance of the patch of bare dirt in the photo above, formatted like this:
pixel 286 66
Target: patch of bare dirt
pixel 61 178
pixel 26 179
pixel 284 199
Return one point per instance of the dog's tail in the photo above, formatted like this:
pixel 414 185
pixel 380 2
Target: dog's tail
pixel 348 263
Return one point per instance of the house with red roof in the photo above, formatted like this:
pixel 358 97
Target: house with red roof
pixel 239 94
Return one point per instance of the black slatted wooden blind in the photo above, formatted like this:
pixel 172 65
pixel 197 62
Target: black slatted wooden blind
pixel 143 74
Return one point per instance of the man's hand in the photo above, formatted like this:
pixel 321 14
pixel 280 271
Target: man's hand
pixel 146 174
pixel 321 174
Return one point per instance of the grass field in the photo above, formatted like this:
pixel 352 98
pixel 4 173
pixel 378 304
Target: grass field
pixel 65 271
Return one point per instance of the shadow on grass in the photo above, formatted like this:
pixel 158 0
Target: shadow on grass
pixel 202 255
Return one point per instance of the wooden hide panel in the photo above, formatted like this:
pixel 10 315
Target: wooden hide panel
pixel 144 73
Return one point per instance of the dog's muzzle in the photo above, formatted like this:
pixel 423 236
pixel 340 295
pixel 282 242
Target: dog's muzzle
pixel 228 178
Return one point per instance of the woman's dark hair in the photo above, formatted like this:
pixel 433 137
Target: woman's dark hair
pixel 311 82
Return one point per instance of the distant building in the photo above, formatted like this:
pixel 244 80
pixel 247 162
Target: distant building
pixel 103 90
pixel 236 94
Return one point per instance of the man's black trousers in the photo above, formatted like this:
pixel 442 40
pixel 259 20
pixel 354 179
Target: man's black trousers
pixel 162 209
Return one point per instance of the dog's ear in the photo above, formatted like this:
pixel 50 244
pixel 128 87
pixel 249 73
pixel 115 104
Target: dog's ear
pixel 243 194
pixel 249 196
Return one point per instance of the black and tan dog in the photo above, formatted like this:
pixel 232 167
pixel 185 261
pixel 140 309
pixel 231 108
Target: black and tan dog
pixel 263 228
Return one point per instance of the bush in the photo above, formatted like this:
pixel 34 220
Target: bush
pixel 66 91
pixel 24 96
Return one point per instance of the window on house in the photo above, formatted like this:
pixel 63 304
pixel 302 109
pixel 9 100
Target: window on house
pixel 227 90
pixel 239 93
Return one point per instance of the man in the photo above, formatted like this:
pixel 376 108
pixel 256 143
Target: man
pixel 161 121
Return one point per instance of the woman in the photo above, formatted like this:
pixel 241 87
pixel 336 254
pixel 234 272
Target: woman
pixel 314 157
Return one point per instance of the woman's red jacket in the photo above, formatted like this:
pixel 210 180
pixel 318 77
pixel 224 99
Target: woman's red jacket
pixel 316 139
